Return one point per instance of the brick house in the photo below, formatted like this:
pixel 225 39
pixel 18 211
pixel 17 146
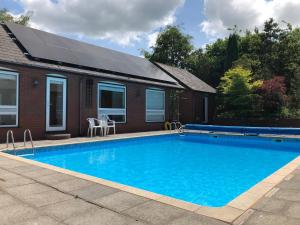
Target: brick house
pixel 51 84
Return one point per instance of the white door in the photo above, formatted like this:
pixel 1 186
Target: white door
pixel 56 101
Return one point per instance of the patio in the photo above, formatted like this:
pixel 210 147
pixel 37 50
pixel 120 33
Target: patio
pixel 30 194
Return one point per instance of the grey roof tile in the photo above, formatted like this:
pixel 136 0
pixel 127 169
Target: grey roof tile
pixel 187 79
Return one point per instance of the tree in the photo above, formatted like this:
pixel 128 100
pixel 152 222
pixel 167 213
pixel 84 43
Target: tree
pixel 232 51
pixel 237 93
pixel 172 47
pixel 216 52
pixel 201 65
pixel 5 16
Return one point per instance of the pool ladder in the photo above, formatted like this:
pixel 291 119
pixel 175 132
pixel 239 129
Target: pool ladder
pixel 10 135
pixel 178 127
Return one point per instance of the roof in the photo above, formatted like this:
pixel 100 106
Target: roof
pixel 56 49
pixel 187 79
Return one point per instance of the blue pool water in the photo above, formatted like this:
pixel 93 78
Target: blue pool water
pixel 201 169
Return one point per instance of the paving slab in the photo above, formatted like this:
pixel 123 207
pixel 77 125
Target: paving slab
pixel 263 218
pixel 297 171
pixel 26 190
pixel 40 220
pixel 15 182
pixel 67 209
pixel 73 184
pixel 16 213
pixel 194 219
pixel 25 168
pixel 93 192
pixel 46 198
pixel 120 201
pixel 54 178
pixel 102 217
pixel 271 205
pixel 291 184
pixel 293 210
pixel 7 200
pixel 38 173
pixel 296 177
pixel 8 163
pixel 155 212
pixel 290 195
pixel 6 175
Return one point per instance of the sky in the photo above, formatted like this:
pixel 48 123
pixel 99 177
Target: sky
pixel 131 25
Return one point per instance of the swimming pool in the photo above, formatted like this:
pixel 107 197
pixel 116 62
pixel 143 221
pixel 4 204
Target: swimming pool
pixel 203 169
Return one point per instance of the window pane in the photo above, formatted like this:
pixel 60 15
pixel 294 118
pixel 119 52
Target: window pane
pixel 56 104
pixel 8 90
pixel 155 105
pixel 112 99
pixel 155 100
pixel 155 118
pixel 8 120
pixel 117 118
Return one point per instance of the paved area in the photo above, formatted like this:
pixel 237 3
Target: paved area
pixel 32 195
pixel 43 143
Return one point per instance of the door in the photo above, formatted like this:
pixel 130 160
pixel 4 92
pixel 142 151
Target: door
pixel 56 104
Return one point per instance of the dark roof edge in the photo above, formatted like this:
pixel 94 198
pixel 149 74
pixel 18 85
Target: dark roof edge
pixel 86 73
pixel 7 69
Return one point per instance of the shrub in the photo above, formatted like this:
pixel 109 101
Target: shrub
pixel 237 93
pixel 274 96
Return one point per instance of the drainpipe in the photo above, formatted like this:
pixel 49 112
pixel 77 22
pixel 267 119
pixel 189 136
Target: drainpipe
pixel 80 105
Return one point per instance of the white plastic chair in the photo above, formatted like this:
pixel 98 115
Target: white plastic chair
pixel 107 123
pixel 92 130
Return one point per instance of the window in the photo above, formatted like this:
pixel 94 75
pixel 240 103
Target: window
pixel 155 105
pixel 8 99
pixel 112 101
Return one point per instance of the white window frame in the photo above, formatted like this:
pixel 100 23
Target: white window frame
pixel 62 81
pixel 112 111
pixel 8 109
pixel 155 111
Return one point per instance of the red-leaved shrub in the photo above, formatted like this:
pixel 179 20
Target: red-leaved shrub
pixel 274 95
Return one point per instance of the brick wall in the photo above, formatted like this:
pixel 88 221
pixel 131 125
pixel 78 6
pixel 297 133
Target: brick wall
pixel 191 107
pixel 32 106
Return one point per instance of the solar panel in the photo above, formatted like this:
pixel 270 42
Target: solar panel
pixel 44 45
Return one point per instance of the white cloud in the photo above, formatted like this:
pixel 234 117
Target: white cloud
pixel 152 39
pixel 121 21
pixel 246 14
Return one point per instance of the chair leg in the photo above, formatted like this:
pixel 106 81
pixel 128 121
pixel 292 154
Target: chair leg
pixel 114 130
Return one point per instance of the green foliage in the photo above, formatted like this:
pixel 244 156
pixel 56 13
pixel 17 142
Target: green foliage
pixel 237 92
pixel 5 16
pixel 289 113
pixel 265 54
pixel 232 51
pixel 172 47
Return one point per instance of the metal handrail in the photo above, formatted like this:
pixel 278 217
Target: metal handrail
pixel 179 128
pixel 30 137
pixel 10 133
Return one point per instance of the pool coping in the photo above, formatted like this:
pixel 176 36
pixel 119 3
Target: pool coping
pixel 227 213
